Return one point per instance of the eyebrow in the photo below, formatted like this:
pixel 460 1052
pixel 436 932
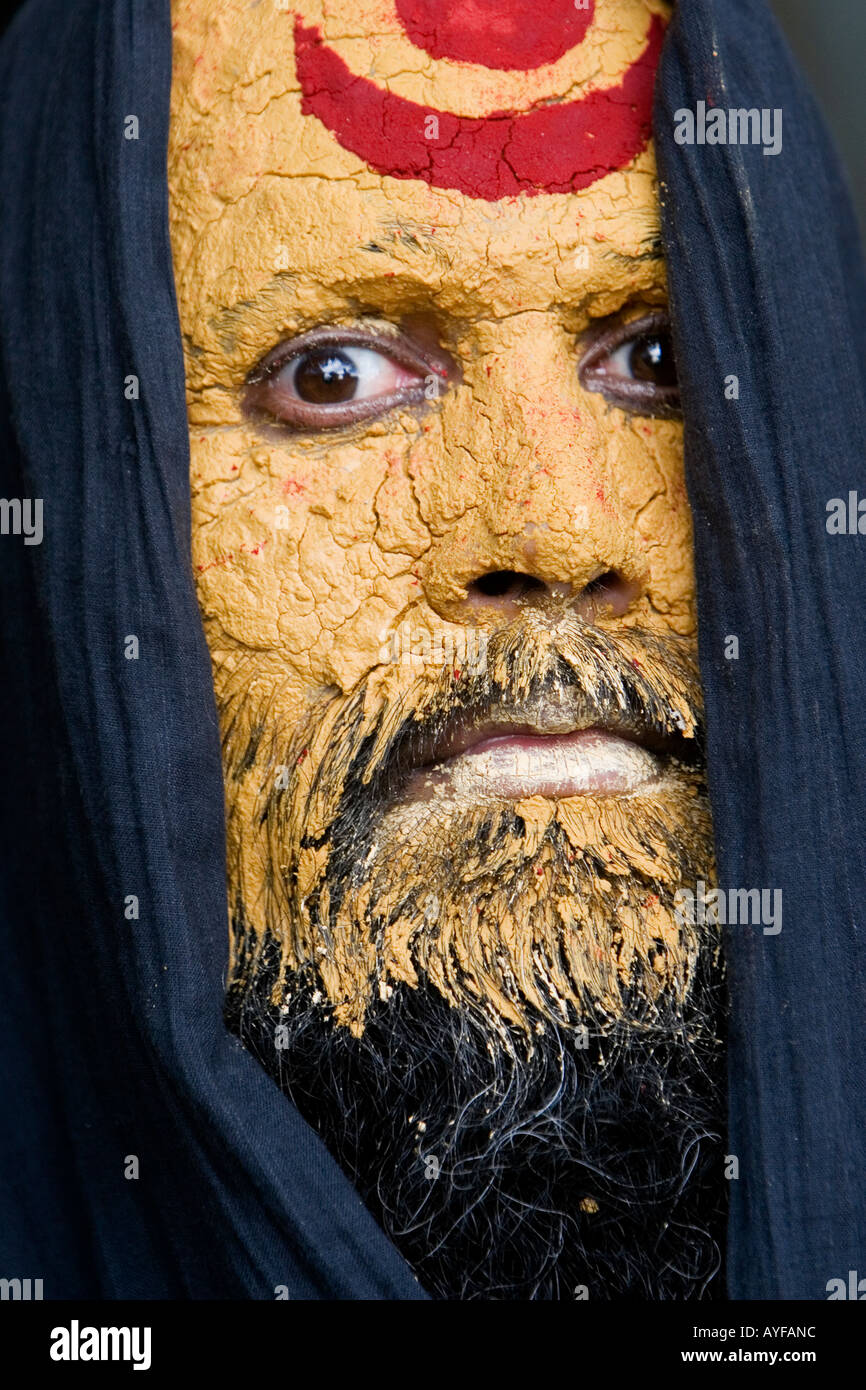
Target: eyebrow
pixel 419 238
pixel 654 252
pixel 414 236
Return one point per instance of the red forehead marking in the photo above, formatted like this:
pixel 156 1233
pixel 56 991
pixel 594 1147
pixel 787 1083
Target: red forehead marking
pixel 502 34
pixel 548 149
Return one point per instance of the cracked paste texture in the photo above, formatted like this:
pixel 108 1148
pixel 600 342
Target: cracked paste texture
pixel 309 551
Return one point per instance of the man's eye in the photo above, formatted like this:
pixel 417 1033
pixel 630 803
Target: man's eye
pixel 331 376
pixel 647 358
pixel 633 366
pixel 327 380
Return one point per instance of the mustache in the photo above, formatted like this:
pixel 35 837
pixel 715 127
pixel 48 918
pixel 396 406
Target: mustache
pixel 331 847
pixel 537 675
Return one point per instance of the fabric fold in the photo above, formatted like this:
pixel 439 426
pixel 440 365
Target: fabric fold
pixel 768 308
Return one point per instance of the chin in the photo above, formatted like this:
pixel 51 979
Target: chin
pixel 554 1161
pixel 464 965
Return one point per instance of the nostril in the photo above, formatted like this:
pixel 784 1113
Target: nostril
pixel 602 584
pixel 609 595
pixel 610 592
pixel 509 584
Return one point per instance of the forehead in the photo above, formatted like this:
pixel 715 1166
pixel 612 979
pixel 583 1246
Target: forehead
pixel 279 165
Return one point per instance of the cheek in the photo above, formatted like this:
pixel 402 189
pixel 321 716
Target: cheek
pixel 306 558
pixel 647 467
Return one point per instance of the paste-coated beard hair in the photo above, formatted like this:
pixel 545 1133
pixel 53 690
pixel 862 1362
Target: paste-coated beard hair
pixel 531 1112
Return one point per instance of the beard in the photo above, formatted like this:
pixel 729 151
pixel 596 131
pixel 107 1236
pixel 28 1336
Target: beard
pixel 491 1011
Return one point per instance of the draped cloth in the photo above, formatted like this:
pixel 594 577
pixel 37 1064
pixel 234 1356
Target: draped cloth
pixel 143 1152
pixel 767 286
pixel 112 1037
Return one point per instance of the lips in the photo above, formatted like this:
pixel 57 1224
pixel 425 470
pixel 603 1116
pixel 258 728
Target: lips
pixel 511 767
pixel 545 752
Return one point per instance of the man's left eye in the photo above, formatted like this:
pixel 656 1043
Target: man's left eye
pixel 632 365
pixel 327 380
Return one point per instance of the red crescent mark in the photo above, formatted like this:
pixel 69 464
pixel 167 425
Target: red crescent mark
pixel 502 34
pixel 549 149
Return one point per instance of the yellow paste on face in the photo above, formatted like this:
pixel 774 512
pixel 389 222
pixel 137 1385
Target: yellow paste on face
pixel 310 550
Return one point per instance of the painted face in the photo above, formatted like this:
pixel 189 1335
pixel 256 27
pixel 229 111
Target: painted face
pixel 440 532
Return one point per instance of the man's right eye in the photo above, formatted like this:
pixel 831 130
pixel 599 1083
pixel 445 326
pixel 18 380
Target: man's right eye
pixel 333 378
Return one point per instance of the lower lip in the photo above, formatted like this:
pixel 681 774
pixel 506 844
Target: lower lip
pixel 508 768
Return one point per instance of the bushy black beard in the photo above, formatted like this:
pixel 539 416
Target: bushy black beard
pixel 508 1170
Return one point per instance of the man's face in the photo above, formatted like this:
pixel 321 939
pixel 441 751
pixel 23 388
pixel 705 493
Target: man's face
pixel 443 554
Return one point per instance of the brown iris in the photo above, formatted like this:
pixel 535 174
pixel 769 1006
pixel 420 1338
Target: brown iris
pixel 326 376
pixel 652 359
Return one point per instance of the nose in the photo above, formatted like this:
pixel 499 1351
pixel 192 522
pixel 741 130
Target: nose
pixel 474 576
pixel 536 504
pixel 499 595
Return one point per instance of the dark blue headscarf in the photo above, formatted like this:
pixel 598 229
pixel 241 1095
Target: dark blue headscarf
pixel 112 1034
pixel 767 285
pixel 112 1045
